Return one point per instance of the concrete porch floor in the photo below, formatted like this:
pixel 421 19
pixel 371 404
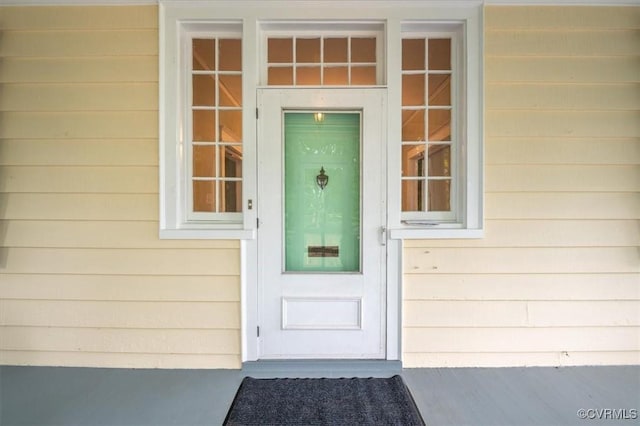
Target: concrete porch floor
pixel 449 396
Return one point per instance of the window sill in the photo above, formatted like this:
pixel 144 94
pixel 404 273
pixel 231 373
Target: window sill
pixel 415 233
pixel 207 234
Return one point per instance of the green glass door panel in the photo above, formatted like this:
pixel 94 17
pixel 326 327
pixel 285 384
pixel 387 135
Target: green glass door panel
pixel 322 226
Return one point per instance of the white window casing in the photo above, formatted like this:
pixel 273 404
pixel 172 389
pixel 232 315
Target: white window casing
pixel 177 218
pixel 254 20
pixel 465 219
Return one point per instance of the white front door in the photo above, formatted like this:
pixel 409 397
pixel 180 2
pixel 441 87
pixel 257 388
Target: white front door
pixel 321 207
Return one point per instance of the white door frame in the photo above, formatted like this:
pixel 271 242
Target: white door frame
pixel 288 300
pixel 250 297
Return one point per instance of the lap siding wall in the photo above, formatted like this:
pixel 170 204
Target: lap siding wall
pixel 85 281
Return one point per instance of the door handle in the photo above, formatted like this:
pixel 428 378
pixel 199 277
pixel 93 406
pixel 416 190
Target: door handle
pixel 383 235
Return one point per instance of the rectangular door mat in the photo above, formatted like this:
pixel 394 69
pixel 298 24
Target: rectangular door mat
pixel 346 401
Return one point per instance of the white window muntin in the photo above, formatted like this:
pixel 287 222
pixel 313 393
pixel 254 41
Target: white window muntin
pixel 299 29
pixel 428 30
pixel 190 31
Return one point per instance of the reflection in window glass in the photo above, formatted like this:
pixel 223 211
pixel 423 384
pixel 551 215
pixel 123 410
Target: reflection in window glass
pixel 204 54
pixel 336 50
pixel 322 60
pixel 426 124
pixel 413 54
pixel 280 76
pixel 439 195
pixel 412 156
pixel 439 124
pixel 233 156
pixel 413 195
pixel 413 125
pixel 204 90
pixel 230 90
pixel 439 54
pixel 230 57
pixel 216 139
pixel 413 90
pixel 204 125
pixel 280 50
pixel 363 50
pixel 232 201
pixel 308 50
pixel 204 161
pixel 308 76
pixel 336 76
pixel 363 76
pixel 440 89
pixel 204 196
pixel 440 160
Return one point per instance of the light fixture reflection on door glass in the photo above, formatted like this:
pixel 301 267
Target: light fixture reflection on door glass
pixel 318 117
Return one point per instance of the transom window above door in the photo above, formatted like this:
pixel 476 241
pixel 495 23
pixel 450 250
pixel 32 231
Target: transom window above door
pixel 322 54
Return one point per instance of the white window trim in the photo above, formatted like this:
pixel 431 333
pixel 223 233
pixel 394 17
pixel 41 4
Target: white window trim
pixel 453 32
pixel 469 210
pixel 189 32
pixel 177 27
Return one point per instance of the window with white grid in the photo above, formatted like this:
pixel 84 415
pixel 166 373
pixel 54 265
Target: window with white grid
pixel 214 154
pixel 327 55
pixel 430 116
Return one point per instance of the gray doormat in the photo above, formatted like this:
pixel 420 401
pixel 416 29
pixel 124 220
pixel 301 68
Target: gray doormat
pixel 356 401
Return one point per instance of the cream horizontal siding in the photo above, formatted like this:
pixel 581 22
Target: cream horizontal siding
pixel 80 125
pixel 110 69
pixel 517 339
pixel 573 313
pixel 77 43
pixel 581 97
pixel 78 152
pixel 142 315
pixel 85 281
pixel 59 206
pixel 552 233
pixel 121 340
pixel 562 205
pixel 573 151
pixel 84 278
pixel 121 261
pixel 78 97
pixel 99 234
pixel 566 19
pixel 555 70
pixel 522 287
pixel 122 360
pixel 78 18
pixel 563 42
pixel 92 179
pixel 145 288
pixel 521 260
pixel 556 279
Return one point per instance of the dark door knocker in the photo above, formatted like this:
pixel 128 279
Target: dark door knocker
pixel 322 180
